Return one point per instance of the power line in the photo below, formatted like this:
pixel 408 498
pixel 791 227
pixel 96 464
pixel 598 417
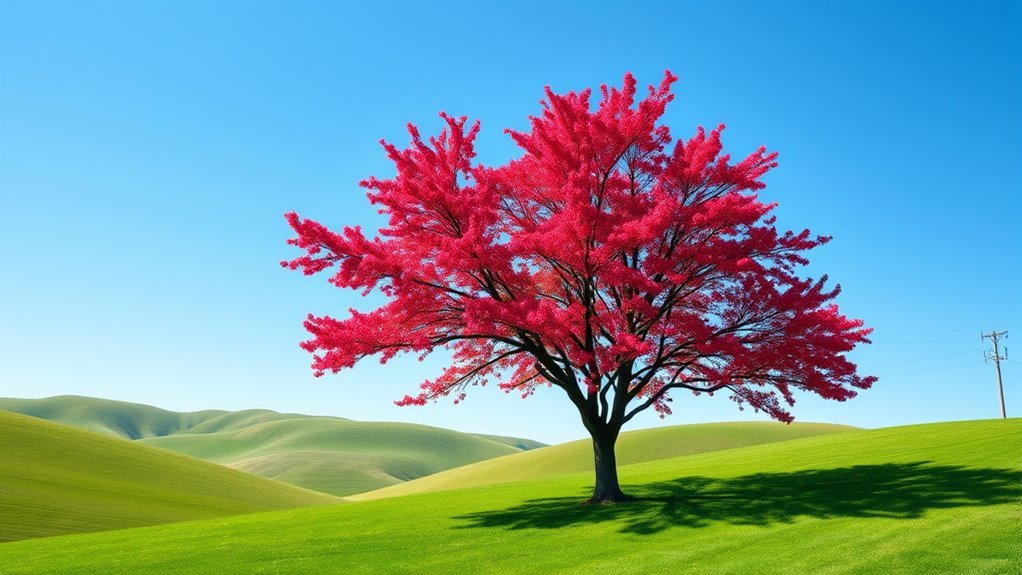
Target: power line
pixel 936 368
pixel 921 359
pixel 997 357
pixel 913 330
pixel 914 340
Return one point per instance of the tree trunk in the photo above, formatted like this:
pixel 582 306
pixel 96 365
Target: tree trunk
pixel 607 489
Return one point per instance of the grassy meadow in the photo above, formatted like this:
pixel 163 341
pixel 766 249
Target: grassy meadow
pixel 937 498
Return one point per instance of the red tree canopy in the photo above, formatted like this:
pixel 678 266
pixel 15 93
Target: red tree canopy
pixel 608 260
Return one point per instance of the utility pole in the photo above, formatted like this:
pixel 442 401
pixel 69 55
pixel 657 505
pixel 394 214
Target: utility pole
pixel 997 357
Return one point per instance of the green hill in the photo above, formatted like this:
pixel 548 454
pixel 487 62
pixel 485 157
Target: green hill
pixel 328 454
pixel 56 479
pixel 334 455
pixel 927 499
pixel 633 447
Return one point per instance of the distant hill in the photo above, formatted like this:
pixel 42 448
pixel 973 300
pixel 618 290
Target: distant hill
pixel 135 420
pixel 633 447
pixel 56 479
pixel 328 454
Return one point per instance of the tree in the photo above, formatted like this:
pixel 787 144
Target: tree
pixel 604 261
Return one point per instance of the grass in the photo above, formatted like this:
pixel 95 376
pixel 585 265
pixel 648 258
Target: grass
pixel 633 447
pixel 56 479
pixel 940 498
pixel 328 454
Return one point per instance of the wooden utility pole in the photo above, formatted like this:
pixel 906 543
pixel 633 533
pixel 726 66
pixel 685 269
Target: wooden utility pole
pixel 997 357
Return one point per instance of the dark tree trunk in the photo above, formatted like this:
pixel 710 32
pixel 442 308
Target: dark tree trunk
pixel 607 489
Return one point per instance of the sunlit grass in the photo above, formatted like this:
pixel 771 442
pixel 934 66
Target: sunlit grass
pixel 941 498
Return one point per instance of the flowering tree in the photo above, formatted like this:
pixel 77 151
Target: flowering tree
pixel 608 261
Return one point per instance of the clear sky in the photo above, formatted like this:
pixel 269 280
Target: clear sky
pixel 148 151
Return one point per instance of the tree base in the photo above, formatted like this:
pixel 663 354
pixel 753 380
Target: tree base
pixel 608 499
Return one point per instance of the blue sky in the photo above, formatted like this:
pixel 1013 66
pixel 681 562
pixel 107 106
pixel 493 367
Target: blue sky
pixel 148 151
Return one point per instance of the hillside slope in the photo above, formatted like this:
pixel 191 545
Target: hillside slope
pixel 927 499
pixel 56 479
pixel 337 456
pixel 633 447
pixel 329 454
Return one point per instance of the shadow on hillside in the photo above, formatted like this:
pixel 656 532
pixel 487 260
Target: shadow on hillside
pixel 893 490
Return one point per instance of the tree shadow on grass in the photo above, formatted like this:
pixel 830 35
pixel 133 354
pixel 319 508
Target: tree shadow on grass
pixel 892 490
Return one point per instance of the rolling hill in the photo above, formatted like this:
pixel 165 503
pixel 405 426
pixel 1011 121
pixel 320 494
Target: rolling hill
pixel 57 479
pixel 926 499
pixel 334 455
pixel 109 417
pixel 633 447
pixel 328 454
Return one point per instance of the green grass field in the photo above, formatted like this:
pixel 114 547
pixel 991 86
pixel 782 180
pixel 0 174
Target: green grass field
pixel 328 454
pixel 632 447
pixel 56 479
pixel 926 499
